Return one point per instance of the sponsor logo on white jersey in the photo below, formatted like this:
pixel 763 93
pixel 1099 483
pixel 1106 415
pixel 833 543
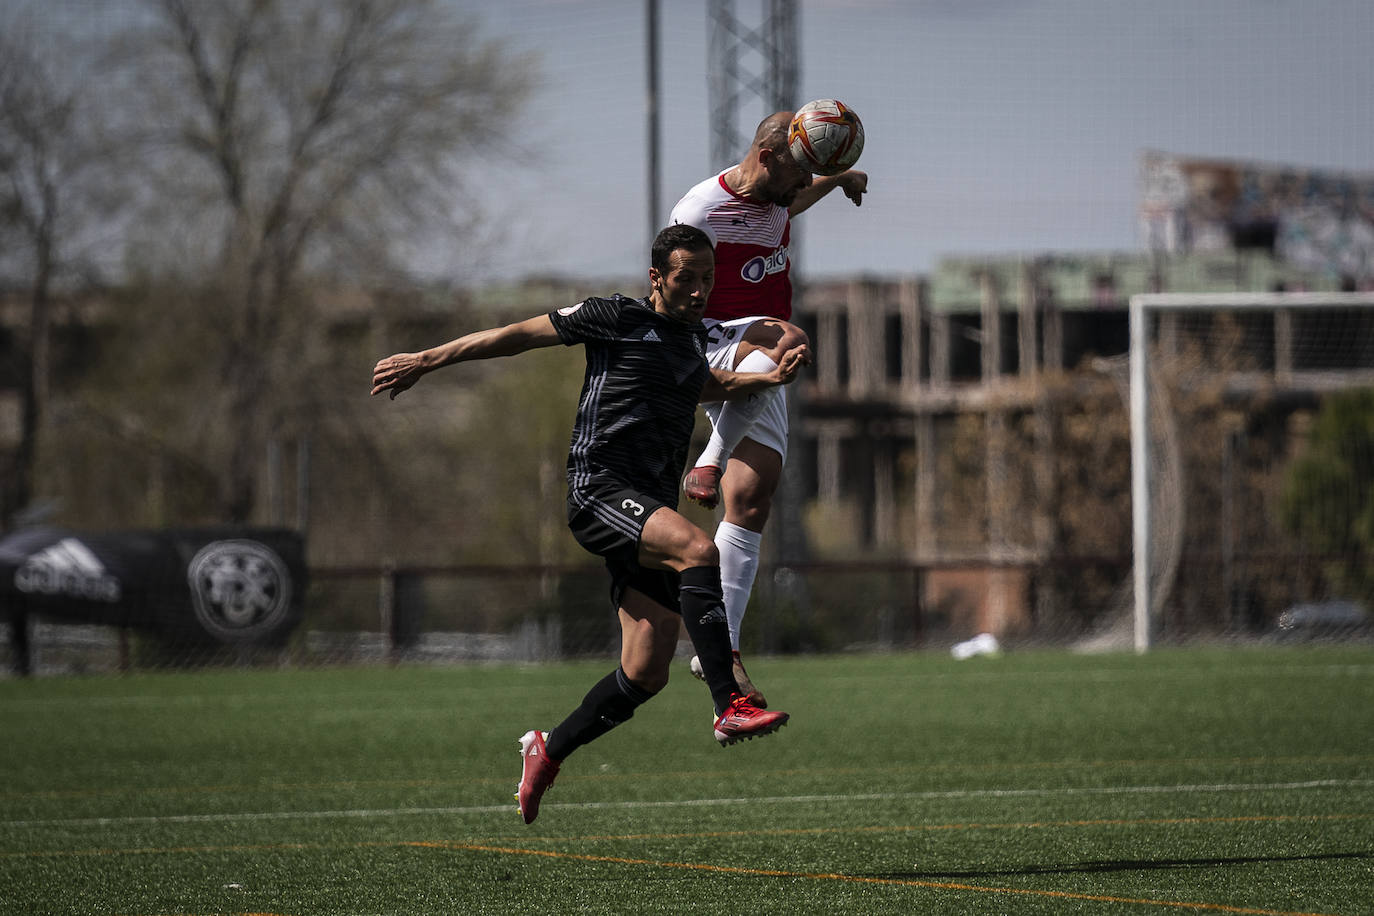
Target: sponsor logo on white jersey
pixel 755 269
pixel 67 568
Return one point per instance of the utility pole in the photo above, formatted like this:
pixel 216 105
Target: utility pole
pixel 651 57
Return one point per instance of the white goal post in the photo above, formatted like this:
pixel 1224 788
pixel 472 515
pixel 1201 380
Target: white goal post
pixel 1280 365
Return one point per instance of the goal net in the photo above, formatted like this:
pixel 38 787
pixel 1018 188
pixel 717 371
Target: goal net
pixel 1252 464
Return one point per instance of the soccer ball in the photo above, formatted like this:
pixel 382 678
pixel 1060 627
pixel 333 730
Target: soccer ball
pixel 826 136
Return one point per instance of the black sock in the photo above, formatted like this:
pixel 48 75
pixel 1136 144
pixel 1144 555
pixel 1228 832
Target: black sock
pixel 703 613
pixel 612 701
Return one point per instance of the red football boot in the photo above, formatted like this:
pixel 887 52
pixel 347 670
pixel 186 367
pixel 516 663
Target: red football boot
pixel 742 720
pixel 536 774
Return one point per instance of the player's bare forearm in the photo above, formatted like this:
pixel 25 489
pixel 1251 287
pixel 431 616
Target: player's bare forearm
pixel 400 371
pixel 728 385
pixel 854 183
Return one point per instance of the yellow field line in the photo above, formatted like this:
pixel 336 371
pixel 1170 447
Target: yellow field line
pixel 860 879
pixel 779 873
pixel 973 825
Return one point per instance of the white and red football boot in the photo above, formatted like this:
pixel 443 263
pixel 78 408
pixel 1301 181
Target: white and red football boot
pixel 742 681
pixel 702 485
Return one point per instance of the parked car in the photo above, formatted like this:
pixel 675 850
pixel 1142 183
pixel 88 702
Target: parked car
pixel 1332 619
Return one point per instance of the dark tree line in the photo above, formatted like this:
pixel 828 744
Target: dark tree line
pixel 213 174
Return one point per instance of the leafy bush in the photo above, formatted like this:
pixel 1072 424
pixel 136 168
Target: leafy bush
pixel 1328 497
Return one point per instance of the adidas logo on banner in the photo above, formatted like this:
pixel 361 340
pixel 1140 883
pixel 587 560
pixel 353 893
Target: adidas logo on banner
pixel 67 568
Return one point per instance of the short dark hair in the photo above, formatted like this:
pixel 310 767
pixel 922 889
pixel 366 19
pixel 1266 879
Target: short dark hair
pixel 678 235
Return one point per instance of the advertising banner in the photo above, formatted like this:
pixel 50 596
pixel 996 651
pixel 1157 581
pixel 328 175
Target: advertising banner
pixel 214 585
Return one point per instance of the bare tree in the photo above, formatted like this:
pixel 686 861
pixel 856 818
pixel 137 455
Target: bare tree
pixel 295 145
pixel 51 194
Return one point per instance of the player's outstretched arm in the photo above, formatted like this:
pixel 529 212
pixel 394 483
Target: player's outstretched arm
pixel 854 183
pixel 398 372
pixel 727 385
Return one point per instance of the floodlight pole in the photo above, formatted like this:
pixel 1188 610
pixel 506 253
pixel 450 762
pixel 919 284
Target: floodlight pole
pixel 749 62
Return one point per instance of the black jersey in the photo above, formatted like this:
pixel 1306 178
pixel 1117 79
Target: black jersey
pixel 635 416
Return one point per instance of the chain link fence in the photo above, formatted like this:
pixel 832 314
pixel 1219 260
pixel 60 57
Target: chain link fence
pixel 489 614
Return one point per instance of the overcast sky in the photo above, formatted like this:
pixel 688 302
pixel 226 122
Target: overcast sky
pixel 993 126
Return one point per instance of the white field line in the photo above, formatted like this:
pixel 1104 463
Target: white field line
pixel 239 817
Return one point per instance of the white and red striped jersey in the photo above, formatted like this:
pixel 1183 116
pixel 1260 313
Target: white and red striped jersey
pixel 751 239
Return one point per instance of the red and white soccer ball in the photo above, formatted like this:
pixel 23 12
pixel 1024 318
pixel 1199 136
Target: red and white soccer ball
pixel 826 136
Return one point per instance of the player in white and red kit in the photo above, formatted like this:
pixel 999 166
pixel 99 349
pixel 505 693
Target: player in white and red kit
pixel 746 211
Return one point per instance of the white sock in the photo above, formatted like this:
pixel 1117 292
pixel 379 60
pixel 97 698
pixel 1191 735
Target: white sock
pixel 739 562
pixel 736 417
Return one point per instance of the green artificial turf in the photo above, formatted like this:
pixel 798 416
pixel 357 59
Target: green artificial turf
pixel 1199 780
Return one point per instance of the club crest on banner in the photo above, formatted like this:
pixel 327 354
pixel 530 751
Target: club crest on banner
pixel 240 588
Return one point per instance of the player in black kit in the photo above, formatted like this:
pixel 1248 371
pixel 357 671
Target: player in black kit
pixel 646 373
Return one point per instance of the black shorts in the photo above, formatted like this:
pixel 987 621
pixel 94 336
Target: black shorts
pixel 608 520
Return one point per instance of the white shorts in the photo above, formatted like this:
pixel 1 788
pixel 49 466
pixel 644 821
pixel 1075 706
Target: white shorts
pixel 722 342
